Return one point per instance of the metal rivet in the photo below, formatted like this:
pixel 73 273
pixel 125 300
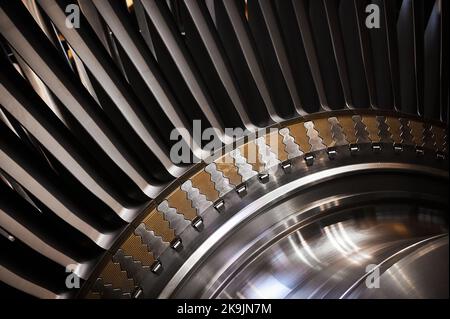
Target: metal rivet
pixel 398 148
pixel 420 151
pixel 138 293
pixel 286 166
pixel 353 148
pixel 241 189
pixel 309 159
pixel 219 205
pixel 332 153
pixel 263 178
pixel 197 223
pixel 157 267
pixel 176 244
pixel 376 147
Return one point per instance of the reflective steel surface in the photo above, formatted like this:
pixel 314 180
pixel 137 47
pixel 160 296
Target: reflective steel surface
pixel 326 259
pixel 378 250
pixel 342 164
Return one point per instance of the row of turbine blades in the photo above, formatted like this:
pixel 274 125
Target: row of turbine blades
pixel 87 111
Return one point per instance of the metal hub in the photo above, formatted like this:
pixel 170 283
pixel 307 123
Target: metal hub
pixel 310 231
pixel 338 188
